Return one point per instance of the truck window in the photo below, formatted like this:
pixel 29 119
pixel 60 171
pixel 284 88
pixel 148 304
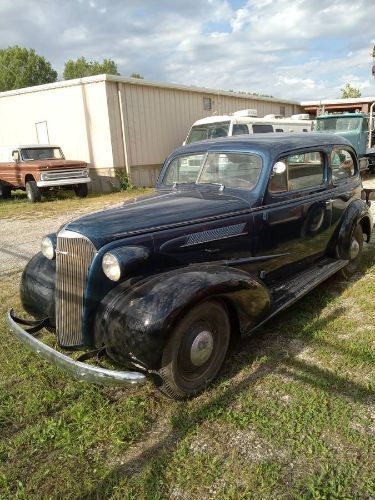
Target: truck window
pixel 261 129
pixel 41 154
pixel 240 129
pixel 207 131
pixel 339 124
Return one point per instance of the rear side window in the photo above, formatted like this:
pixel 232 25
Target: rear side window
pixel 305 170
pixel 262 129
pixel 240 129
pixel 342 165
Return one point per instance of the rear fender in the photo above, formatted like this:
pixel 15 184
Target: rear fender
pixel 356 213
pixel 137 323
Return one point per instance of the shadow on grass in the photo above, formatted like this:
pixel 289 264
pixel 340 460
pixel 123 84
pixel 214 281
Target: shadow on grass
pixel 282 348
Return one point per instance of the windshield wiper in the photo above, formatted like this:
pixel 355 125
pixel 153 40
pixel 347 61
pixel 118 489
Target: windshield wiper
pixel 220 184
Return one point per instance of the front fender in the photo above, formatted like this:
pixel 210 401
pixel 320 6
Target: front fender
pixel 356 213
pixel 37 287
pixel 137 323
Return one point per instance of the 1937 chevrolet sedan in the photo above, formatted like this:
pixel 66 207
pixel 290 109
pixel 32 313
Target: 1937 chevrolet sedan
pixel 237 230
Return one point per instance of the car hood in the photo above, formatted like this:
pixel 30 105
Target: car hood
pixel 55 164
pixel 154 212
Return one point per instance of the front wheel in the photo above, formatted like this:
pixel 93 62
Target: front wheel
pixel 5 191
pixel 196 351
pixel 81 190
pixel 354 252
pixel 33 192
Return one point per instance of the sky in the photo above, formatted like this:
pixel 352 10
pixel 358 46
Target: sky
pixel 291 49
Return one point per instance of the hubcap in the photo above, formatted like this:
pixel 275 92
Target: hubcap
pixel 201 348
pixel 354 249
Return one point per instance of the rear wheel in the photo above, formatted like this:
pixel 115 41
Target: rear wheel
pixel 33 192
pixel 196 351
pixel 353 252
pixel 81 190
pixel 5 191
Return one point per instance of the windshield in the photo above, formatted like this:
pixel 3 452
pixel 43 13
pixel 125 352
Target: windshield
pixel 339 124
pixel 208 131
pixel 233 170
pixel 42 154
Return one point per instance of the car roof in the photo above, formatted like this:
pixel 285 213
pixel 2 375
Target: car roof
pixel 265 143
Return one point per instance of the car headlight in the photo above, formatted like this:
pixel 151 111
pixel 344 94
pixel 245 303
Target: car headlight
pixel 111 267
pixel 48 248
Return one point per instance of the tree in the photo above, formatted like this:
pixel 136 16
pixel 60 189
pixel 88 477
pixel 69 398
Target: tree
pixel 20 67
pixel 349 92
pixel 137 75
pixel 81 68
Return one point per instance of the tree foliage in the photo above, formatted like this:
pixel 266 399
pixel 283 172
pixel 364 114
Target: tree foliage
pixel 81 68
pixel 137 75
pixel 21 67
pixel 349 92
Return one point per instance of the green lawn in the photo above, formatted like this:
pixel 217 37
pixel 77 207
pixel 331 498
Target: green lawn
pixel 291 416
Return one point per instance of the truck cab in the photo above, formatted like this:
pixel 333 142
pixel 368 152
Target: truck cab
pixel 37 168
pixel 357 128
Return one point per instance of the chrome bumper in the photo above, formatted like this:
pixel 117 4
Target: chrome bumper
pixel 81 371
pixel 64 182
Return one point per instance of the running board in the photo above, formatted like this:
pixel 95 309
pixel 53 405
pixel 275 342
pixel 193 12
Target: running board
pixel 285 293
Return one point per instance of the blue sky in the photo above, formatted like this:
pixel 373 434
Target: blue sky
pixel 301 49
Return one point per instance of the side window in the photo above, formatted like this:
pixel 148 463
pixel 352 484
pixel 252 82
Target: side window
pixel 239 129
pixel 301 171
pixel 342 165
pixel 207 103
pixel 259 128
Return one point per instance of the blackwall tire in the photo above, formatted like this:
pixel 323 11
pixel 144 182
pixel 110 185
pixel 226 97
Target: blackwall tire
pixel 33 192
pixel 354 252
pixel 81 190
pixel 5 192
pixel 195 351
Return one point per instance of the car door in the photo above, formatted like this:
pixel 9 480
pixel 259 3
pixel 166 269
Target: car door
pixel 294 225
pixel 345 180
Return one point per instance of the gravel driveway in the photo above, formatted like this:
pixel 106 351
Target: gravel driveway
pixel 20 239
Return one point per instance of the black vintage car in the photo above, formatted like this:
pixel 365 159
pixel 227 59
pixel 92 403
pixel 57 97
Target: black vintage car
pixel 237 230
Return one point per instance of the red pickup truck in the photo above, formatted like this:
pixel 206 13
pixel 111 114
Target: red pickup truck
pixel 38 168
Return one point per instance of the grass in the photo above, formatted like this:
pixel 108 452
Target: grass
pixel 62 201
pixel 291 416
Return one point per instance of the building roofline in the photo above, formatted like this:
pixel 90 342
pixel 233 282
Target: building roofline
pixel 320 102
pixel 142 82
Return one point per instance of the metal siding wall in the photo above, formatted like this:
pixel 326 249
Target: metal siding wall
pixel 159 119
pixel 115 124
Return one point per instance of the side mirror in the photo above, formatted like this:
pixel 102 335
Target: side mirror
pixel 16 156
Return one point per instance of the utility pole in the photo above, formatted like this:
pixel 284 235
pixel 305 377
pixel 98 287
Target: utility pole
pixel 373 61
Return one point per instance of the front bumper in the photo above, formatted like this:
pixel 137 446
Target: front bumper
pixel 64 182
pixel 81 371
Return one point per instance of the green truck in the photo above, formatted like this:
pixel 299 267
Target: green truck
pixel 358 128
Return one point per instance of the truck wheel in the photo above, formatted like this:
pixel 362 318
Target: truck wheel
pixel 81 190
pixel 354 252
pixel 4 191
pixel 33 192
pixel 196 351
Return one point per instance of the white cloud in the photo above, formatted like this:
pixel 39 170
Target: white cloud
pixel 299 50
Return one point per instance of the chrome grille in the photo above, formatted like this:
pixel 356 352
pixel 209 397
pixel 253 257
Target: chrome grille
pixel 64 174
pixel 74 254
